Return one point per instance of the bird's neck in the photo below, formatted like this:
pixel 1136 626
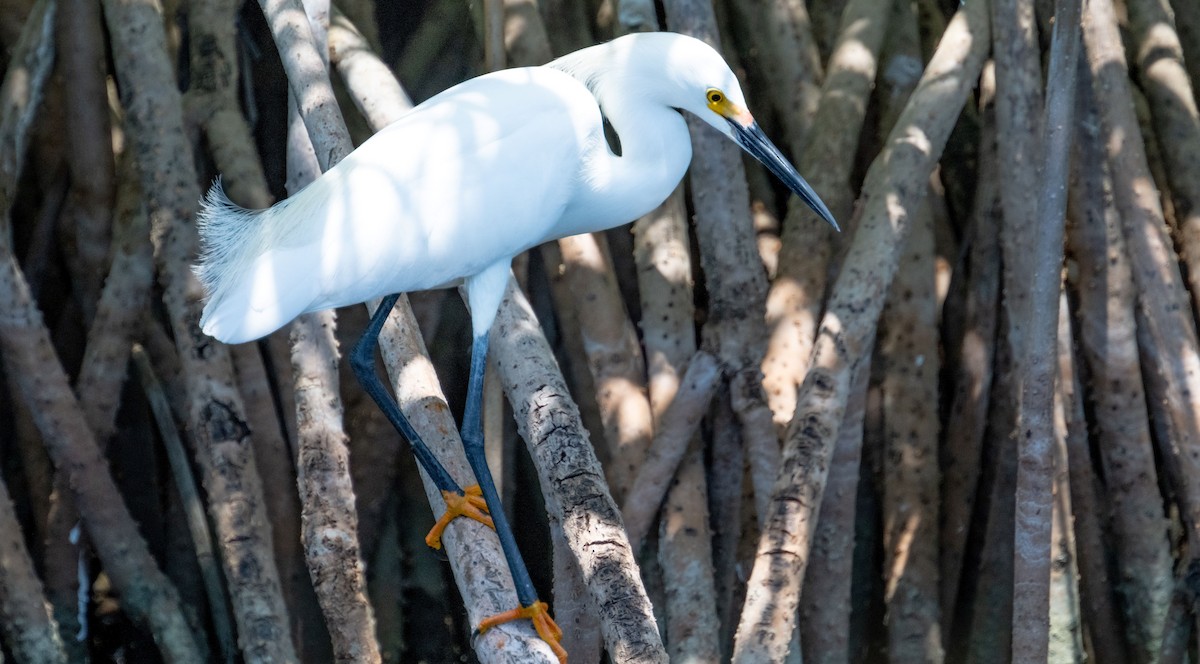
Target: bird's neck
pixel 655 151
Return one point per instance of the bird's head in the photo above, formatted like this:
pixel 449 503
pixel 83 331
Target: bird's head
pixel 709 90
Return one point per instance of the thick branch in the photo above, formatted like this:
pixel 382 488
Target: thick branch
pixel 1035 413
pixel 1108 339
pixel 1167 339
pixel 1176 119
pixel 573 482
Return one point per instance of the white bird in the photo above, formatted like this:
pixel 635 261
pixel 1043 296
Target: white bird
pixel 457 187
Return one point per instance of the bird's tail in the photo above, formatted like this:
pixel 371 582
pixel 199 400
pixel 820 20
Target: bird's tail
pixel 230 239
pixel 228 232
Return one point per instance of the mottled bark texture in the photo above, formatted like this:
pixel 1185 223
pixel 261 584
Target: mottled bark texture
pixel 679 423
pixel 1166 331
pixel 788 56
pixel 27 618
pixel 908 356
pixel 193 507
pixel 894 184
pixel 475 557
pixel 88 209
pixel 1164 79
pixel 685 536
pixel 1108 340
pixel 216 415
pixel 1035 413
pixel 797 293
pixel 614 357
pixel 329 522
pixel 1065 629
pixel 826 605
pixel 1187 22
pixel 37 372
pixel 973 361
pixel 735 330
pixel 573 483
pixel 1088 506
pixel 212 101
pixel 479 567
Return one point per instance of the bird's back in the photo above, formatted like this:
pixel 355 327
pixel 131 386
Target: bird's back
pixel 476 174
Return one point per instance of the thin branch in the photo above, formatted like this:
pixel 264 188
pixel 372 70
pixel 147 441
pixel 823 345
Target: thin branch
pixel 493 35
pixel 88 210
pixel 614 357
pixel 676 427
pixel 28 623
pixel 360 13
pixel 362 71
pixel 1019 111
pixel 1088 506
pixel 116 323
pixel 664 270
pixel 788 54
pixel 1065 627
pixel 21 95
pixel 1187 22
pixel 305 66
pixel 189 495
pixel 1177 633
pixel 908 353
pixel 976 353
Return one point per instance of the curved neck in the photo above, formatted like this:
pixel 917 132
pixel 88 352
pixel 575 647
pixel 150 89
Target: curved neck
pixel 625 77
pixel 655 152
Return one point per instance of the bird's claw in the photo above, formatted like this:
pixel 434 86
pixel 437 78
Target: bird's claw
pixel 469 503
pixel 539 614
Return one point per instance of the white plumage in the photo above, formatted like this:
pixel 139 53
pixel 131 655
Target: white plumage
pixel 459 186
pixel 466 180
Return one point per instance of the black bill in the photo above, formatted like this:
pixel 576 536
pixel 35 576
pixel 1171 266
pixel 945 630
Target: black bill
pixel 753 140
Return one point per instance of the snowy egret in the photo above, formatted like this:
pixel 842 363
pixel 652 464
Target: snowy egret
pixel 456 188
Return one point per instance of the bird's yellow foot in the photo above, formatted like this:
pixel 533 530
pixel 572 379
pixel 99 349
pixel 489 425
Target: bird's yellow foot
pixel 539 614
pixel 469 503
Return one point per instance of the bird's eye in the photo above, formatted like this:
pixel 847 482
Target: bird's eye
pixel 715 96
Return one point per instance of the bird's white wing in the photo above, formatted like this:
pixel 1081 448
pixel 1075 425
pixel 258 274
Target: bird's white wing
pixel 474 175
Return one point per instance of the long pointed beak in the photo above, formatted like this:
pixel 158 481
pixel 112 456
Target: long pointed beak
pixel 753 140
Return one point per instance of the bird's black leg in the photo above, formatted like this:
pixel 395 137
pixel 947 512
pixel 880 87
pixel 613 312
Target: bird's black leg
pixel 472 436
pixel 460 502
pixel 362 360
